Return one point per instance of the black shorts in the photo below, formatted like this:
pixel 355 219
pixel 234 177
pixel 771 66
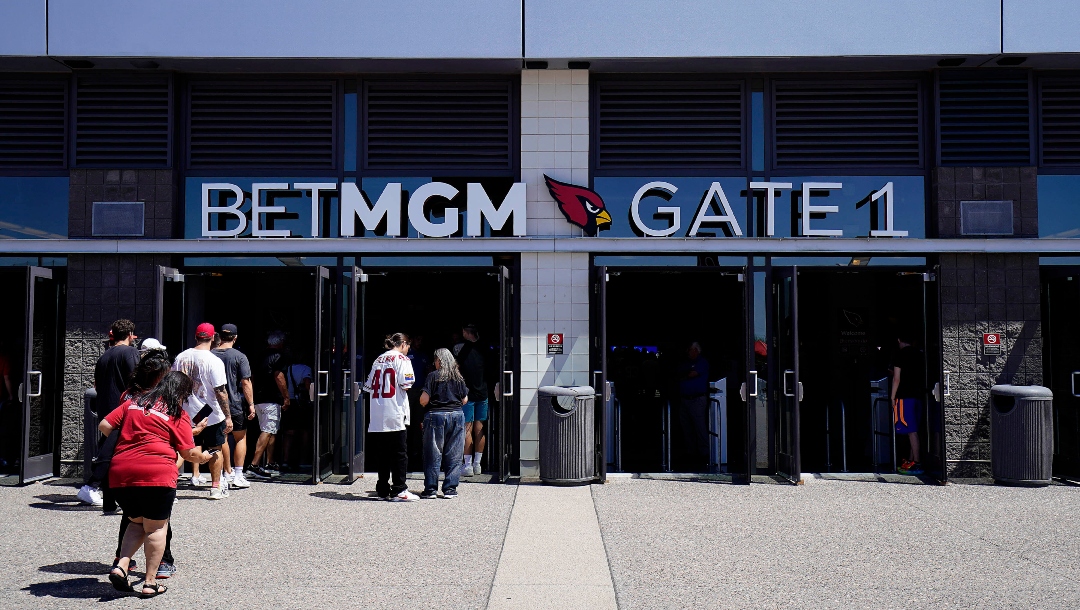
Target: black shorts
pixel 147 502
pixel 212 436
pixel 239 420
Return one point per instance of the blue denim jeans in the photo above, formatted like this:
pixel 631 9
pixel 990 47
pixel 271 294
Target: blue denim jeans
pixel 444 443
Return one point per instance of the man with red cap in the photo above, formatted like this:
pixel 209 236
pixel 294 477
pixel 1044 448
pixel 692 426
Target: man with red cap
pixel 207 372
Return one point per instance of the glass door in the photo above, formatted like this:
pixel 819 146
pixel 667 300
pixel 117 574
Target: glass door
pixel 784 369
pixel 935 464
pixel 354 366
pixel 169 302
pixel 607 418
pixel 324 437
pixel 505 415
pixel 38 389
pixel 1061 332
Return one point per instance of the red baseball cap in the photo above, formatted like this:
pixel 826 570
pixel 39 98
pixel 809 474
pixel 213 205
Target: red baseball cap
pixel 204 331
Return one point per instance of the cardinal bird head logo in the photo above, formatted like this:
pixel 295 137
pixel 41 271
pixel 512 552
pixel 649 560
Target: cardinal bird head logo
pixel 581 206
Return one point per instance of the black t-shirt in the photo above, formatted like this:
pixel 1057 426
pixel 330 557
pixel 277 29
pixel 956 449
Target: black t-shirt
pixel 237 368
pixel 912 365
pixel 266 388
pixel 111 376
pixel 444 395
pixel 470 360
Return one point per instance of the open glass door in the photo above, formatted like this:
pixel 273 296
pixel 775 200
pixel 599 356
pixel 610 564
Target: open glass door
pixel 323 458
pixel 169 308
pixel 784 361
pixel 354 366
pixel 607 421
pixel 505 414
pixel 38 388
pixel 935 464
pixel 1061 301
pixel 748 388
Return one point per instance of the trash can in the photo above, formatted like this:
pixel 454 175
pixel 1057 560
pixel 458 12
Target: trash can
pixel 567 435
pixel 1021 435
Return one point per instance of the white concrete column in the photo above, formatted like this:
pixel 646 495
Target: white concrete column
pixel 554 286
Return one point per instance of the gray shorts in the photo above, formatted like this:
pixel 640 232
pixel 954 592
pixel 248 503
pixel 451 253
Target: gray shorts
pixel 269 415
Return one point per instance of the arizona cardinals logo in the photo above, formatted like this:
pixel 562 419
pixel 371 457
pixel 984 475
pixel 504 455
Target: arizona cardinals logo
pixel 580 205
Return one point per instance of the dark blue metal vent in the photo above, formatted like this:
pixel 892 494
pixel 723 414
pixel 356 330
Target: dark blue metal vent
pixel 669 125
pixel 122 122
pixel 1060 101
pixel 984 118
pixel 32 121
pixel 262 124
pixel 438 126
pixel 846 124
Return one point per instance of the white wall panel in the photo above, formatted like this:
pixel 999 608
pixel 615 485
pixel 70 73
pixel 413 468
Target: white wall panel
pixel 1041 26
pixel 22 27
pixel 286 28
pixel 760 28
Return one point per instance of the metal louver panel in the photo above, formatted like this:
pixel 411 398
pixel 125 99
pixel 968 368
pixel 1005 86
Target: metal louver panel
pixel 122 122
pixel 847 124
pixel 984 119
pixel 676 125
pixel 265 124
pixel 432 126
pixel 32 119
pixel 1061 122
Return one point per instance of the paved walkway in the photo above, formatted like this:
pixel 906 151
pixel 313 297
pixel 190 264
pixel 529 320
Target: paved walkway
pixel 635 543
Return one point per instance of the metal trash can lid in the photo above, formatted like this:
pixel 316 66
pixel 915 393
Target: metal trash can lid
pixel 1021 391
pixel 578 390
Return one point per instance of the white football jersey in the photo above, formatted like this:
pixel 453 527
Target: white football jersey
pixel 388 383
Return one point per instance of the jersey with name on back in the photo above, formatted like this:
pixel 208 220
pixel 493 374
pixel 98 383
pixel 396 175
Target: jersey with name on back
pixel 391 375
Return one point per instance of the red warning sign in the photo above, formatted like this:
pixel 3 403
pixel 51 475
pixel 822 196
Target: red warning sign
pixel 991 344
pixel 554 344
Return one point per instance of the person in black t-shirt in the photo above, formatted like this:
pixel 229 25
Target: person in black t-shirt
pixel 473 361
pixel 111 376
pixel 444 395
pixel 907 392
pixel 271 396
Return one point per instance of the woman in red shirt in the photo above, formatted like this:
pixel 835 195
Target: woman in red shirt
pixel 153 429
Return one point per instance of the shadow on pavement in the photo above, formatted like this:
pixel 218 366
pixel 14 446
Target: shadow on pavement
pixel 78 567
pixel 76 588
pixel 62 502
pixel 336 495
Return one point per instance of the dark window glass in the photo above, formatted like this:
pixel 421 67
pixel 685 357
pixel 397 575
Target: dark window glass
pixel 33 208
pixel 1059 206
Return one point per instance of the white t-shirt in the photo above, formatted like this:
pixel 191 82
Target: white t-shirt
pixel 390 378
pixel 207 371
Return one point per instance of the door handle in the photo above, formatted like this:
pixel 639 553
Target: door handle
pixel 32 393
pixel 753 394
pixel 596 384
pixel 508 391
pixel 788 393
pixel 948 378
pixel 1072 378
pixel 326 386
pixel 800 391
pixel 345 387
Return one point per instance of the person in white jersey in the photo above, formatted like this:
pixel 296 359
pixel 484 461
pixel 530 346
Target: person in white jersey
pixel 207 371
pixel 388 383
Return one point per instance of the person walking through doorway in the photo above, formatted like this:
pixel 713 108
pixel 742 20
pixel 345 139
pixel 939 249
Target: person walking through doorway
pixel 693 379
pixel 472 361
pixel 111 375
pixel 272 395
pixel 444 395
pixel 207 372
pixel 388 383
pixel 241 400
pixel 907 391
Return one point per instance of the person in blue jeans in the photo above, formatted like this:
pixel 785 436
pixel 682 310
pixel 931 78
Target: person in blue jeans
pixel 444 395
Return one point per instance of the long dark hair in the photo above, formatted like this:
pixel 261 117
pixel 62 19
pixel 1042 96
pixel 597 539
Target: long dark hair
pixel 172 391
pixel 153 365
pixel 395 340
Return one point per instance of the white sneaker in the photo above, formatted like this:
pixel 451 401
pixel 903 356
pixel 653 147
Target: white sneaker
pixel 239 481
pixel 466 470
pixel 405 496
pixel 224 487
pixel 215 493
pixel 89 495
pixel 200 481
pixel 476 469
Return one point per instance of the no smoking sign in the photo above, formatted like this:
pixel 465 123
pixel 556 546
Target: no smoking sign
pixel 554 344
pixel 991 344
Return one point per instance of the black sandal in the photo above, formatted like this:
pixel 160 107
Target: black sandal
pixel 158 590
pixel 120 581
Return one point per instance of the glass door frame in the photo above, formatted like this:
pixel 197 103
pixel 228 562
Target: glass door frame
pixel 783 357
pixel 42 466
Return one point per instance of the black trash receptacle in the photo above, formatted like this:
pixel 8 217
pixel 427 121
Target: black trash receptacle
pixel 567 435
pixel 1021 435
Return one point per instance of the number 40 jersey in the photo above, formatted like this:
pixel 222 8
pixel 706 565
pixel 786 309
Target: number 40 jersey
pixel 390 378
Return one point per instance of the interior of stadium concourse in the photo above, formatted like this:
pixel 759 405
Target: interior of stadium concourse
pixel 430 307
pixel 663 420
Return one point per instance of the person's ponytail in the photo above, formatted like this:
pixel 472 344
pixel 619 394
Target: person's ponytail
pixel 395 340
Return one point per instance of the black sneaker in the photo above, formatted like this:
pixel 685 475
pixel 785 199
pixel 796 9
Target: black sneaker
pixel 272 469
pixel 429 494
pixel 449 495
pixel 257 472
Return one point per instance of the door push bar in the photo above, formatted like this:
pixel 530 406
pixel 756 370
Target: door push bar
pixel 508 391
pixel 31 374
pixel 742 389
pixel 799 387
pixel 325 387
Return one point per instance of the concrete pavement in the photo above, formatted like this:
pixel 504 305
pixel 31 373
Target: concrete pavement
pixel 640 543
